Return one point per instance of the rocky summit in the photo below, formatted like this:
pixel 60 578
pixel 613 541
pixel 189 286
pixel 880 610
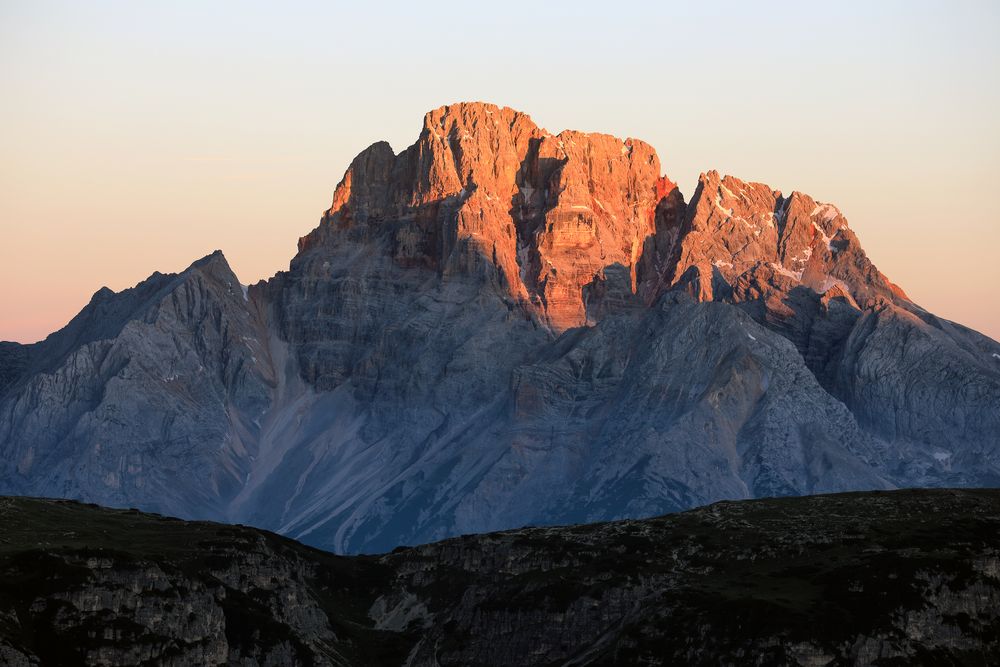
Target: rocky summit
pixel 498 327
pixel 898 578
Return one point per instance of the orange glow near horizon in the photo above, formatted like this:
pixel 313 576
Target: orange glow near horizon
pixel 138 138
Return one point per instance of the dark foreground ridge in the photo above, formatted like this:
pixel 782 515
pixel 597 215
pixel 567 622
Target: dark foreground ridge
pixel 880 578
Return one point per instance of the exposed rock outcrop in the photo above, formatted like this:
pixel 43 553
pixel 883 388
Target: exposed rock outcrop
pixel 485 190
pixel 862 579
pixel 497 327
pixel 147 395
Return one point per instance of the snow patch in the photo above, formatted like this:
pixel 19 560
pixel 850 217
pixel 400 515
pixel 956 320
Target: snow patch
pixel 756 230
pixel 797 275
pixel 942 456
pixel 750 336
pixel 750 224
pixel 831 282
pixel 827 212
pixel 246 293
pixel 781 214
pixel 996 356
pixel 806 254
pixel 826 239
pixel 718 205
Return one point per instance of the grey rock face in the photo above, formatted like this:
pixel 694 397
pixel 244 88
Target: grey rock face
pixel 500 327
pixel 928 387
pixel 147 397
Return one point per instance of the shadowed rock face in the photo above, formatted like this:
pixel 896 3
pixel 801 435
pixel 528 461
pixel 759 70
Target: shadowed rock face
pixel 146 395
pixel 498 327
pixel 907 577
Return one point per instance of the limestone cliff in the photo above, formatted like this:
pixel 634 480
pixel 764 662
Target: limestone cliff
pixel 499 326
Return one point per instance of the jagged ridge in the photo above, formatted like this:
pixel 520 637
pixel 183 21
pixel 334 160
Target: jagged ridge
pixel 501 326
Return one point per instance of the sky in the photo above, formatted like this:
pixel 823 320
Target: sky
pixel 138 137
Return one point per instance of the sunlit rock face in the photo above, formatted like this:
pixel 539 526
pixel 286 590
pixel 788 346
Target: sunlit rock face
pixel 486 192
pixel 796 267
pixel 496 327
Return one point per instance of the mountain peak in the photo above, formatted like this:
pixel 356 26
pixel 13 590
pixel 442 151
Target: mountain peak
pixel 214 257
pixel 742 240
pixel 563 223
pixel 470 113
pixel 216 266
pixel 103 294
pixel 485 192
pixel 499 326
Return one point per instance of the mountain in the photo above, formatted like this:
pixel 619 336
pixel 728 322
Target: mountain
pixel 498 327
pixel 145 395
pixel 905 577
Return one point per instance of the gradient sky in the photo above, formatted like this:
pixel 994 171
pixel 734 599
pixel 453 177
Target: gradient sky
pixel 141 136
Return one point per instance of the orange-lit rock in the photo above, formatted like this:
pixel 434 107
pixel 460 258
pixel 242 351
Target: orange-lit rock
pixel 499 327
pixel 548 213
pixel 739 231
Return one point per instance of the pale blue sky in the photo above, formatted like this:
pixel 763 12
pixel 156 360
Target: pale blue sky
pixel 137 136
